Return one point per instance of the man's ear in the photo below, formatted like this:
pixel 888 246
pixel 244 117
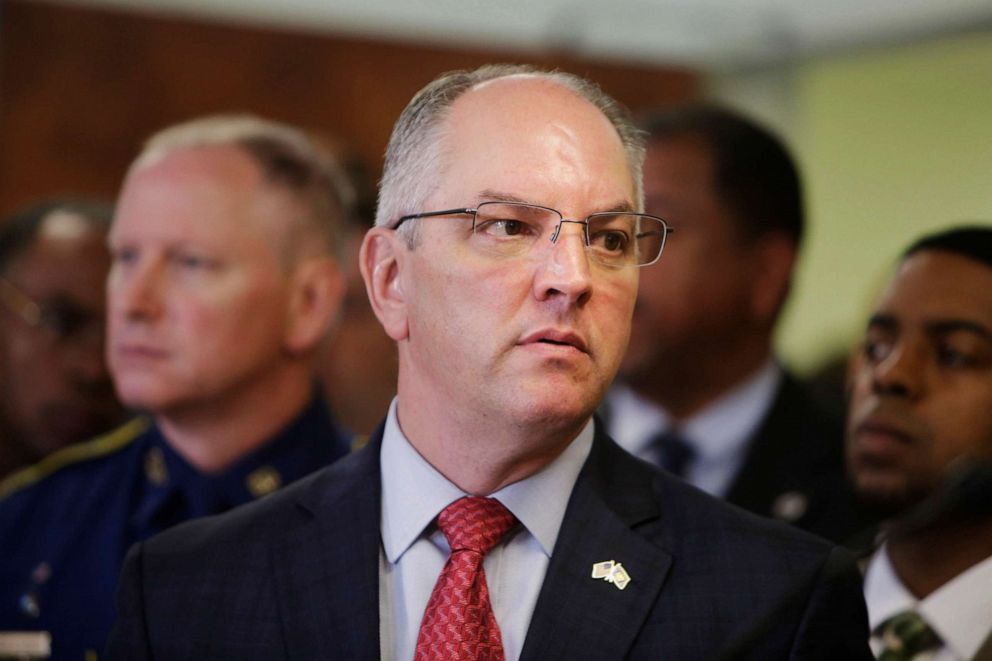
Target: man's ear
pixel 774 256
pixel 381 260
pixel 316 293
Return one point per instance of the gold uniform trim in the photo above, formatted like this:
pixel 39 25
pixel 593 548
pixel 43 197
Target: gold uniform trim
pixel 73 454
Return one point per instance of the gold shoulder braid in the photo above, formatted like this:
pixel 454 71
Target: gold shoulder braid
pixel 73 454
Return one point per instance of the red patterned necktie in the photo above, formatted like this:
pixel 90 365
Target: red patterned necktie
pixel 459 624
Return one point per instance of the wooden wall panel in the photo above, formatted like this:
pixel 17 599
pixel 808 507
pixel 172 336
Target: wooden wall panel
pixel 81 88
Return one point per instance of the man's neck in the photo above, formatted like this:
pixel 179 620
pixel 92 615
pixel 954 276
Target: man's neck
pixel 213 435
pixel 478 454
pixel 685 391
pixel 927 559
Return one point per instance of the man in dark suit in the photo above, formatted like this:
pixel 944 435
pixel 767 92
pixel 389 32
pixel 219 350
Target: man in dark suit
pixel 700 391
pixel 919 446
pixel 489 517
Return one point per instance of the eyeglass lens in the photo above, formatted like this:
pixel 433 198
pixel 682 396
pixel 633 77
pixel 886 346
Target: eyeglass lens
pixel 613 239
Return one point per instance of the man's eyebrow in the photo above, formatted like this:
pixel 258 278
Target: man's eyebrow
pixel 883 321
pixel 491 195
pixel 944 326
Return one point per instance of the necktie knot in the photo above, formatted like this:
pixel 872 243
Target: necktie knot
pixel 459 624
pixel 475 524
pixel 905 635
pixel 674 452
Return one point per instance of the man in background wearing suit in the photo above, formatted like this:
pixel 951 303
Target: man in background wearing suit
pixel 222 285
pixel 919 445
pixel 700 392
pixel 489 517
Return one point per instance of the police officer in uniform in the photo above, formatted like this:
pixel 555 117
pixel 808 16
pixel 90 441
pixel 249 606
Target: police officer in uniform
pixel 222 288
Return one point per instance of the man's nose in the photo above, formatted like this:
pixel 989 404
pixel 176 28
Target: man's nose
pixel 901 372
pixel 565 269
pixel 136 293
pixel 85 358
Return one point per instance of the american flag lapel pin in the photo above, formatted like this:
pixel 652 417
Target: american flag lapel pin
pixel 611 572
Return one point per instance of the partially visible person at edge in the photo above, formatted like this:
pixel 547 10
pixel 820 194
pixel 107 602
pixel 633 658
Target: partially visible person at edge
pixel 491 516
pixel 223 284
pixel 700 391
pixel 55 389
pixel 358 364
pixel 919 446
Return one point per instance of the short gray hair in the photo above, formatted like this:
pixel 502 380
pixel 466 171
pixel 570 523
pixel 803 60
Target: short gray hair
pixel 287 157
pixel 414 155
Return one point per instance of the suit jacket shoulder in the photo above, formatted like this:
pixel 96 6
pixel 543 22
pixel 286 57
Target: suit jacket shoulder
pixel 707 580
pixel 795 469
pixel 296 577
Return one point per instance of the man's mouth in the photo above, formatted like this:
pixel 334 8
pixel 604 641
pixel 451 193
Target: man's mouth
pixel 556 337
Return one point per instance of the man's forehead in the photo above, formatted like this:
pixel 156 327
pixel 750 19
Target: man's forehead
pixel 212 195
pixel 525 130
pixel 931 286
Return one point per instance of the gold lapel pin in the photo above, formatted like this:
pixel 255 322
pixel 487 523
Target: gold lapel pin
pixel 611 572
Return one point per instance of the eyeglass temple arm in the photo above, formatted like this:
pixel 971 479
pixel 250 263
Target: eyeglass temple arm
pixel 430 214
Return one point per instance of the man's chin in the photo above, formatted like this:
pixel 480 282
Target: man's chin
pixel 553 409
pixel 886 496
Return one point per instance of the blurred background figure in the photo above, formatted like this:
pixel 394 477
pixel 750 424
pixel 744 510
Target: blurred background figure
pixel 358 366
pixel 54 385
pixel 919 446
pixel 223 286
pixel 701 392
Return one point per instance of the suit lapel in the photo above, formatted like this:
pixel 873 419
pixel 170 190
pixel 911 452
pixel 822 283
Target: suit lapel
pixel 327 566
pixel 576 615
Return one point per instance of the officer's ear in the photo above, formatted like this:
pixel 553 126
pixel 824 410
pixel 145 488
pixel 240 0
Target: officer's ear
pixel 316 294
pixel 382 258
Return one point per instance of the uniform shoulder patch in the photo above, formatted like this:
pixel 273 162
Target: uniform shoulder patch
pixel 74 454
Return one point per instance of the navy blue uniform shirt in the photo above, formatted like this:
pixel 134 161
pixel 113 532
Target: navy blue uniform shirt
pixel 63 536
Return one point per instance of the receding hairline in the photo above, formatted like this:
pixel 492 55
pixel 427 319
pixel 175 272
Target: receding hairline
pixel 288 161
pixel 413 141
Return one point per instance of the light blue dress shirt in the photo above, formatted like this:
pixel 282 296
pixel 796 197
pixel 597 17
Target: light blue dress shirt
pixel 414 550
pixel 718 434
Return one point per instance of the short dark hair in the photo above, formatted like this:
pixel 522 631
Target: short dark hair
pixel 971 241
pixel 754 174
pixel 19 230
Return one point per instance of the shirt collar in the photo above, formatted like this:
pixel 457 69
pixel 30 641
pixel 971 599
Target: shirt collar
pixel 957 611
pixel 721 429
pixel 724 427
pixel 309 441
pixel 414 492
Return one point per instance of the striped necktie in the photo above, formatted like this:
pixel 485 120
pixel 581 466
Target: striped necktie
pixel 905 635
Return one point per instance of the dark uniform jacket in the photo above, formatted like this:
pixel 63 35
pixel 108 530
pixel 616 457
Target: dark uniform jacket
pixel 296 577
pixel 69 521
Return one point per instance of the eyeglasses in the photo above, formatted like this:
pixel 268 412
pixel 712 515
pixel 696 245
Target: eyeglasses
pixel 512 229
pixel 60 319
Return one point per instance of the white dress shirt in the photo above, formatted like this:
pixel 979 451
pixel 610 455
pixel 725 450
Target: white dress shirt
pixel 414 551
pixel 960 611
pixel 718 434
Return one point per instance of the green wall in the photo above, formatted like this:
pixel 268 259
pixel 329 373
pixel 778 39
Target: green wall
pixel 893 143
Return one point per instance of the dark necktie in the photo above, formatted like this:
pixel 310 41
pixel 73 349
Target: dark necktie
pixel 673 452
pixel 458 623
pixel 905 635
